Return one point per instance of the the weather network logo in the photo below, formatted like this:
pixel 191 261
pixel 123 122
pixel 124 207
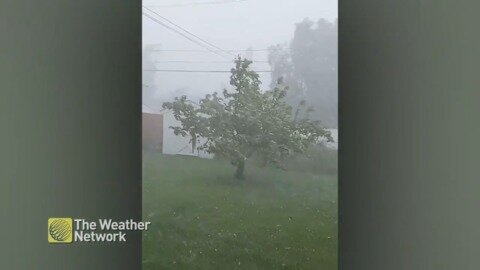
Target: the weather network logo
pixel 68 230
pixel 60 230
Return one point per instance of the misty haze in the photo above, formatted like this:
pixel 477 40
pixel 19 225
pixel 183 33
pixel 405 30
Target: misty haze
pixel 240 101
pixel 254 29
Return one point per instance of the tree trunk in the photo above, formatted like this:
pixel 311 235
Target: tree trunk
pixel 194 143
pixel 240 169
pixel 264 162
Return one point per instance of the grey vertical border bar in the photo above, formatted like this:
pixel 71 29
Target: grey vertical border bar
pixel 409 135
pixel 70 126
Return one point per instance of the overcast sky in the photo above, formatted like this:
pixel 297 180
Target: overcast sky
pixel 230 26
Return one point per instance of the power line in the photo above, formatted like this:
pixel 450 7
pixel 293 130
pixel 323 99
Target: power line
pixel 201 39
pixel 143 104
pixel 195 62
pixel 198 3
pixel 180 33
pixel 190 33
pixel 200 71
pixel 247 50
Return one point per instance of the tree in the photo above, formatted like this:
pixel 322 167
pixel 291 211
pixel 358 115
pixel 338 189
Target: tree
pixel 309 66
pixel 187 114
pixel 249 123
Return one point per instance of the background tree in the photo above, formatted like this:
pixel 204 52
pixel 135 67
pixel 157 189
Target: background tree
pixel 309 65
pixel 247 122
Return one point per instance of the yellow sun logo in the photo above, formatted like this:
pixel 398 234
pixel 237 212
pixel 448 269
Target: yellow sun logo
pixel 60 230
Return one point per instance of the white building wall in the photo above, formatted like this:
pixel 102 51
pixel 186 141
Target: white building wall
pixel 334 144
pixel 178 145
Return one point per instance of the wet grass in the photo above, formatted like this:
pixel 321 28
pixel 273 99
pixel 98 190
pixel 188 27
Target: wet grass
pixel 202 218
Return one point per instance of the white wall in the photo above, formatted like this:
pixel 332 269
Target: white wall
pixel 334 144
pixel 178 145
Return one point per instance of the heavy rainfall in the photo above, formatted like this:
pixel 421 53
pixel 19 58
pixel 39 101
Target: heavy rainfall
pixel 240 134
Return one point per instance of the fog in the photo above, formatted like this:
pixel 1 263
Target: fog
pixel 234 26
pixel 246 179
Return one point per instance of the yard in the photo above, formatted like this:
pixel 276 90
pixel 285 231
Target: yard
pixel 202 218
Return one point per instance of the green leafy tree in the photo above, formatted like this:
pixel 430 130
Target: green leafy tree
pixel 248 123
pixel 185 112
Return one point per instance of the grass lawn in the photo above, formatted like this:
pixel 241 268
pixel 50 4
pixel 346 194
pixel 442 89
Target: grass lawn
pixel 202 218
